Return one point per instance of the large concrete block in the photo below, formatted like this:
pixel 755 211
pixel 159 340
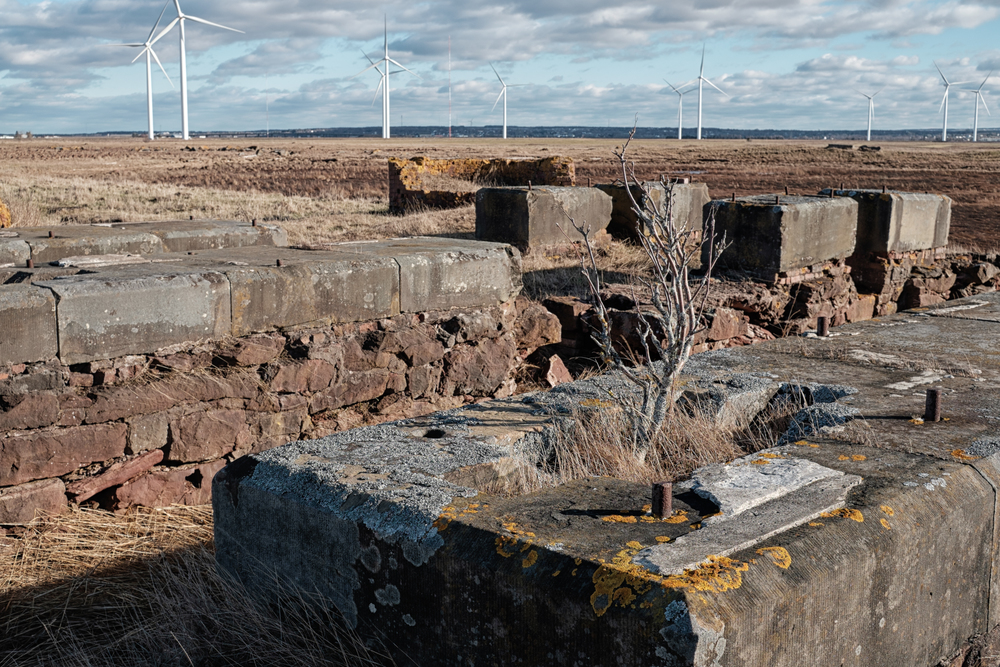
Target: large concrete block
pixel 73 240
pixel 191 235
pixel 138 310
pixel 689 201
pixel 539 216
pixel 310 286
pixel 28 324
pixel 899 221
pixel 771 234
pixel 14 251
pixel 440 273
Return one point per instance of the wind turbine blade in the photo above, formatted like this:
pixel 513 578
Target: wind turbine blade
pixel 140 53
pixel 498 74
pixel 716 87
pixel 153 53
pixel 504 90
pixel 377 90
pixel 375 65
pixel 133 45
pixel 986 79
pixel 673 87
pixel 165 31
pixel 942 75
pixel 879 91
pixel 403 67
pixel 158 20
pixel 941 106
pixel 217 25
pixel 701 72
pixel 984 104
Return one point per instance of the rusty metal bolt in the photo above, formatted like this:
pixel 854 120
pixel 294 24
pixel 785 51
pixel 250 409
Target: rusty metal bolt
pixel 777 199
pixel 734 196
pixel 932 408
pixel 190 217
pixel 663 499
pixel 786 189
pixel 52 234
pixel 841 186
pixel 885 189
pixel 279 263
pixel 823 326
pixel 253 223
pixel 31 263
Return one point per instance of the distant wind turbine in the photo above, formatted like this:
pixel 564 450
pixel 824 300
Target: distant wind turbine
pixel 979 96
pixel 181 18
pixel 871 111
pixel 147 50
pixel 503 94
pixel 944 101
pixel 384 81
pixel 702 80
pixel 680 105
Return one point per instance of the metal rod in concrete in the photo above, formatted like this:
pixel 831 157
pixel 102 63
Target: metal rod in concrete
pixel 932 408
pixel 823 326
pixel 52 234
pixel 279 263
pixel 663 499
pixel 31 263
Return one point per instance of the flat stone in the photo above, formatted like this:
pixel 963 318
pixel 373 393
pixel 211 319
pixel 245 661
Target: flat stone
pixel 767 238
pixel 540 216
pixel 441 273
pixel 732 401
pixel 192 235
pixel 28 323
pixel 74 240
pixel 138 311
pixel 899 221
pixel 19 504
pixel 14 251
pixel 117 473
pixel 53 452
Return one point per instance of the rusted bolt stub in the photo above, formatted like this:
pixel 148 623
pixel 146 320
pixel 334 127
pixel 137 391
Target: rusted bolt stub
pixel 52 234
pixel 253 223
pixel 823 326
pixel 31 263
pixel 190 217
pixel 786 189
pixel 279 263
pixel 663 499
pixel 777 199
pixel 932 408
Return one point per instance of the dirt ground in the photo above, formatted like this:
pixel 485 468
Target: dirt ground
pixel 356 168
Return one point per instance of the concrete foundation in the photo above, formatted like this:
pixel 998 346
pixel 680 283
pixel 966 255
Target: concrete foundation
pixel 689 200
pixel 899 222
pixel 540 216
pixel 775 234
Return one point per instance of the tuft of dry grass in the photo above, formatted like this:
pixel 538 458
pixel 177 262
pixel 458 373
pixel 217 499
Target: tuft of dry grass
pixel 91 587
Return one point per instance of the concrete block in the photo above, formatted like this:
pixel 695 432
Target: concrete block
pixel 441 273
pixel 191 235
pixel 28 323
pixel 689 200
pixel 899 221
pixel 540 216
pixel 768 238
pixel 18 504
pixel 72 240
pixel 138 310
pixel 14 251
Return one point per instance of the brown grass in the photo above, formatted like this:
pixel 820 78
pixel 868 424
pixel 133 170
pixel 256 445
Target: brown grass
pixel 94 588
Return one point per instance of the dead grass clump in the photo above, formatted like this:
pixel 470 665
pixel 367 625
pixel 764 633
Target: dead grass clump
pixel 95 588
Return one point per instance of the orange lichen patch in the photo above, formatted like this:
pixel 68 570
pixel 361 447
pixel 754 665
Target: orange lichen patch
pixel 573 573
pixel 716 575
pixel 618 518
pixel 449 514
pixel 916 420
pixel 760 462
pixel 679 516
pixel 813 446
pixel 771 455
pixel 662 539
pixel 858 457
pixel 845 513
pixel 801 443
pixel 779 555
pixel 530 559
pixel 5 217
pixel 633 545
pixel 888 511
pixel 596 403
pixel 695 526
pixel 517 540
pixel 885 524
pixel 843 458
pixel 557 573
pixel 815 523
pixel 961 455
pixel 647 508
pixel 619 581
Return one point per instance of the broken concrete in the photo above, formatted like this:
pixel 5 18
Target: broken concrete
pixel 689 200
pixel 899 222
pixel 540 216
pixel 28 323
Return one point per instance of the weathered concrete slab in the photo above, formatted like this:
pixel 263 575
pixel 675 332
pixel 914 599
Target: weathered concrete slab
pixel 689 200
pixel 442 273
pixel 540 216
pixel 69 240
pixel 984 307
pixel 14 251
pixel 899 221
pixel 28 323
pixel 310 286
pixel 771 234
pixel 189 235
pixel 138 310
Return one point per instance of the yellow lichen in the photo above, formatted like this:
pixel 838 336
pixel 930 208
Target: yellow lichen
pixel 771 455
pixel 596 403
pixel 917 420
pixel 573 573
pixel 633 545
pixel 557 573
pixel 845 513
pixel 760 462
pixel 662 539
pixel 530 559
pixel 518 540
pixel 716 575
pixel 618 518
pixel 858 457
pixel 779 555
pixel 961 455
pixel 647 508
pixel 801 442
pixel 885 524
pixel 679 516
pixel 815 523
pixel 843 458
pixel 888 511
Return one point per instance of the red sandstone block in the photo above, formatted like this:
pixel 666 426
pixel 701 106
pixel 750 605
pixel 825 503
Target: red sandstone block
pixel 36 410
pixel 18 504
pixel 116 474
pixel 54 452
pixel 189 485
pixel 208 434
pixel 117 403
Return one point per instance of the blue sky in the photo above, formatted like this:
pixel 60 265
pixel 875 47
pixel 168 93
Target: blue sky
pixel 784 63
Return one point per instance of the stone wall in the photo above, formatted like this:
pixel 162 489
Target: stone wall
pixel 407 190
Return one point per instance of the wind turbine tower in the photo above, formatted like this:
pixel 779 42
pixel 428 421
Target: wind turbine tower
pixel 702 80
pixel 680 106
pixel 503 94
pixel 979 96
pixel 871 111
pixel 147 50
pixel 386 61
pixel 944 101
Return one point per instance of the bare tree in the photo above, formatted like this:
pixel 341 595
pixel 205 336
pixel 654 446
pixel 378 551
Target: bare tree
pixel 668 330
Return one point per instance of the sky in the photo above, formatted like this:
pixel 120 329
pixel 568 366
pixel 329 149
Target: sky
pixel 784 64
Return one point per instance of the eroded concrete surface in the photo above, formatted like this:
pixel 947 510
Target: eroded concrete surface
pixel 871 541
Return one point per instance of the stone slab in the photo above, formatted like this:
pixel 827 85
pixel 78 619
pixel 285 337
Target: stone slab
pixel 540 216
pixel 689 200
pixel 19 504
pixel 191 235
pixel 138 310
pixel 70 240
pixel 983 307
pixel 899 221
pixel 442 273
pixel 767 238
pixel 28 324
pixel 14 251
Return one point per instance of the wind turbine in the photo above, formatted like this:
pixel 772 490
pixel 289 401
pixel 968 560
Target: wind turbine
pixel 979 96
pixel 181 18
pixel 702 80
pixel 384 81
pixel 503 94
pixel 680 105
pixel 944 101
pixel 147 49
pixel 871 111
